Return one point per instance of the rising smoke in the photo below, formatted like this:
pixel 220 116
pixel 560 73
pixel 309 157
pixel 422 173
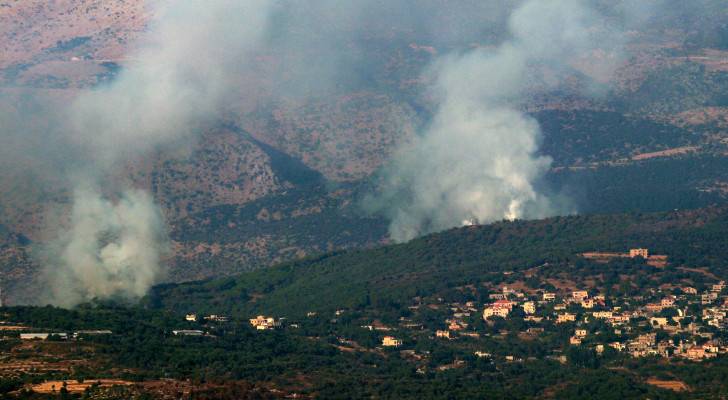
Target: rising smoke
pixel 170 90
pixel 174 84
pixel 112 249
pixel 479 158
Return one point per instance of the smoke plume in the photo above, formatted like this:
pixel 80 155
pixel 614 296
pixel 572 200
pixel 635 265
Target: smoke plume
pixel 112 249
pixel 168 92
pixel 479 157
pixel 172 85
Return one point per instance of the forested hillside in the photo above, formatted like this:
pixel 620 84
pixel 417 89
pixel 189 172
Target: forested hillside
pixel 335 311
pixel 391 276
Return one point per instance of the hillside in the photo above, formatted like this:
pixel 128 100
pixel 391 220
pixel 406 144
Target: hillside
pixel 376 199
pixel 411 321
pixel 282 174
pixel 478 256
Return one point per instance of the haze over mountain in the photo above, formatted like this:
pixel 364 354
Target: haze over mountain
pixel 313 127
pixel 425 199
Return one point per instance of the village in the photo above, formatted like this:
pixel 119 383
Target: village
pixel 664 325
pixel 680 323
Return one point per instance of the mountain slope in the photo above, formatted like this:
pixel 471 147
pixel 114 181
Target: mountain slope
pixel 393 275
pixel 286 184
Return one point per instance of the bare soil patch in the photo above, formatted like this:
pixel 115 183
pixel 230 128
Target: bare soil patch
pixel 75 386
pixel 674 385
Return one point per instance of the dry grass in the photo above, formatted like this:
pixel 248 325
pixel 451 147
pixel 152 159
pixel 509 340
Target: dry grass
pixel 76 386
pixel 13 328
pixel 674 385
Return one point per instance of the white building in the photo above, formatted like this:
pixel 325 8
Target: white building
pixel 529 307
pixel 391 341
pixel 262 323
pixel 217 318
pixel 34 336
pixel 42 336
pixel 188 332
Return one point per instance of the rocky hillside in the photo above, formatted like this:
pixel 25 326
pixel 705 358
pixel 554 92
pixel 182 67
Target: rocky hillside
pixel 282 175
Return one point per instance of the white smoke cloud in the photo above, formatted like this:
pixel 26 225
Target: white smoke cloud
pixel 479 156
pixel 171 88
pixel 112 249
pixel 175 83
pixel 478 159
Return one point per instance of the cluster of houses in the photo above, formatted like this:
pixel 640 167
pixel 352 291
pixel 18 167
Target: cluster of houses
pixel 457 324
pixel 671 323
pixel 195 318
pixel 633 324
pixel 260 322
